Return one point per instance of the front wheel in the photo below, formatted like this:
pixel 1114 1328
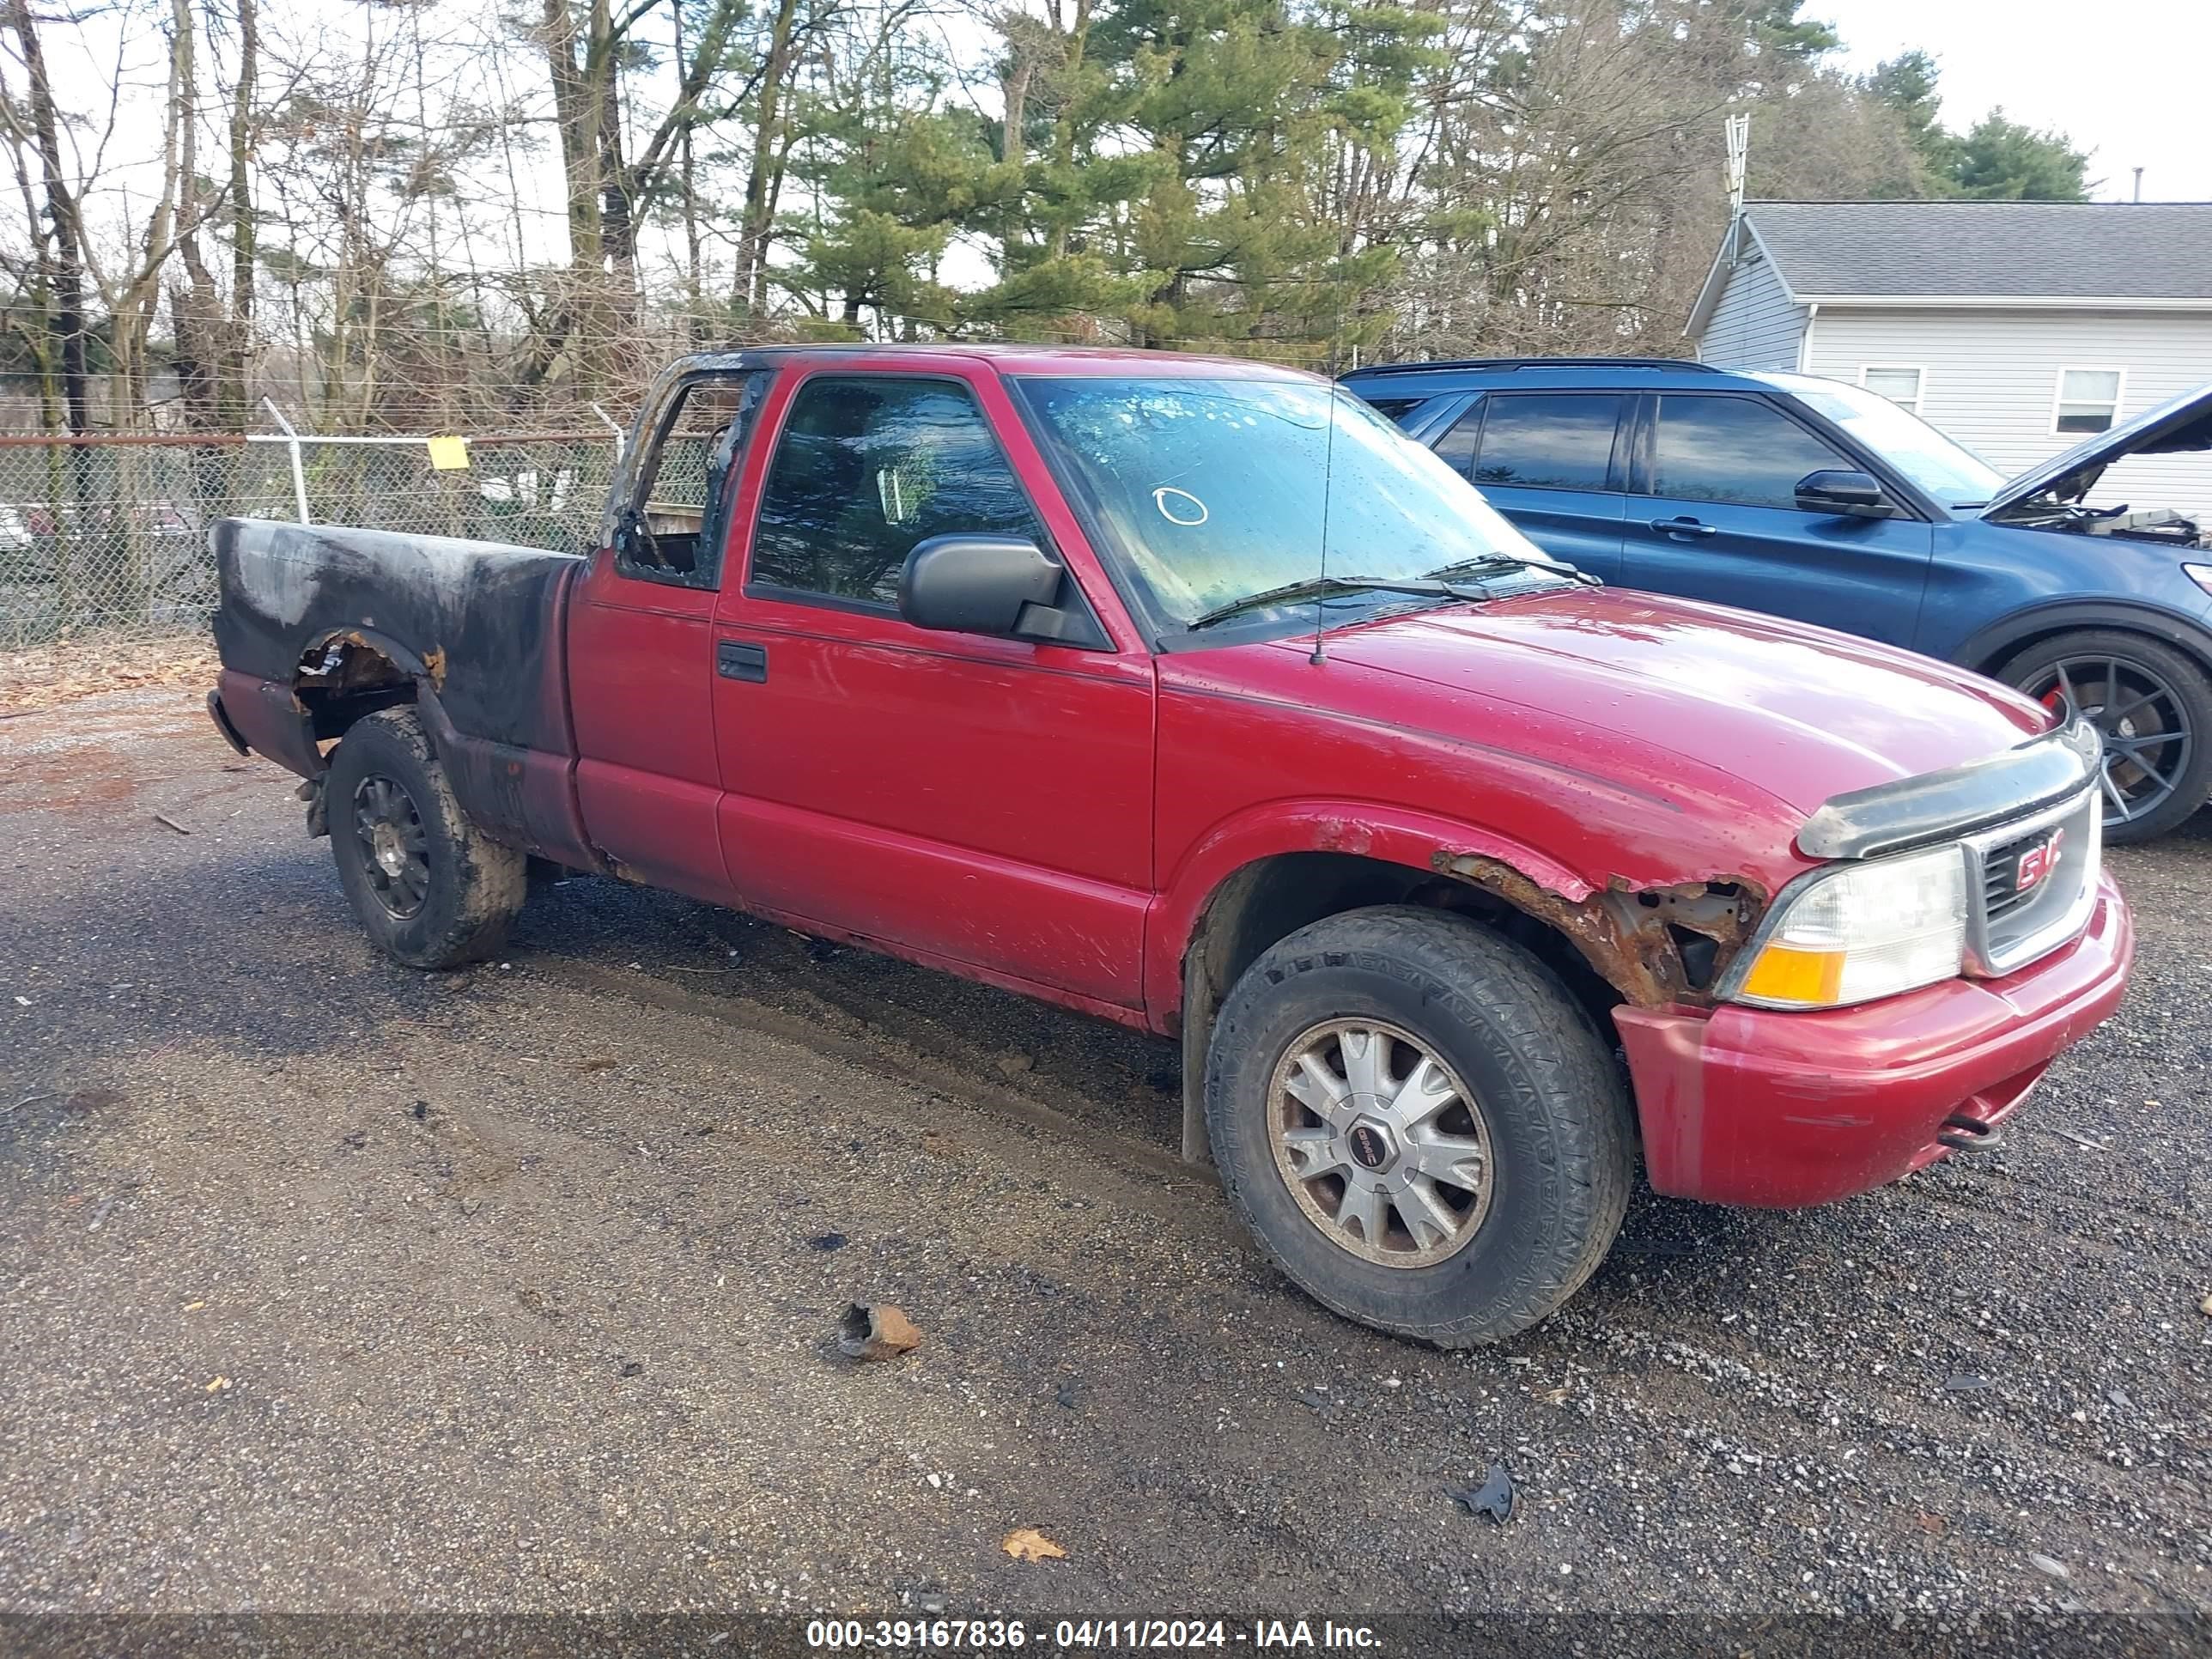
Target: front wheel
pixel 431 888
pixel 2152 704
pixel 1420 1122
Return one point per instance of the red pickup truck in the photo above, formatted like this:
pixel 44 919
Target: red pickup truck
pixel 1186 693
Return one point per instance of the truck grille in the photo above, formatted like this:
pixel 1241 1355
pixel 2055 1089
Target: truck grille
pixel 2037 882
pixel 2002 893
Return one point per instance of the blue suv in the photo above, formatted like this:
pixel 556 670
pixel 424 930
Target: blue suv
pixel 1817 499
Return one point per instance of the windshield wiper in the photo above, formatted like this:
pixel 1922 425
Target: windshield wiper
pixel 1320 588
pixel 1514 561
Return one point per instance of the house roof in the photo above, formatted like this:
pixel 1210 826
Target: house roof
pixel 2151 254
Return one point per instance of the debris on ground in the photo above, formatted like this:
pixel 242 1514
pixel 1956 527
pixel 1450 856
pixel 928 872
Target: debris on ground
pixel 1966 1381
pixel 48 675
pixel 168 823
pixel 2205 1307
pixel 827 1242
pixel 1068 1394
pixel 1028 1544
pixel 2044 1563
pixel 1494 1498
pixel 2079 1140
pixel 878 1332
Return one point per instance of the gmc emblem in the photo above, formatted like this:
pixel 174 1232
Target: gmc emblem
pixel 2037 862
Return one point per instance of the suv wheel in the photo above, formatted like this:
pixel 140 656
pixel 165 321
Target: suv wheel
pixel 431 888
pixel 1420 1124
pixel 2154 706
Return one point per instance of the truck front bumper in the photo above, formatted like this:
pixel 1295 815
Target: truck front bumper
pixel 1750 1106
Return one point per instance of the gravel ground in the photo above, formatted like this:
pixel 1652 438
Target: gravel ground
pixel 324 1284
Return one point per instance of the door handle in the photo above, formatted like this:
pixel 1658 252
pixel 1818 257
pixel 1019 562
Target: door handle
pixel 736 661
pixel 1683 530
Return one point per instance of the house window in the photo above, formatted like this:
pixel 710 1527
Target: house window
pixel 1901 386
pixel 2088 400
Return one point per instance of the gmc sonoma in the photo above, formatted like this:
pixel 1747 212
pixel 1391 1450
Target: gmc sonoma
pixel 1189 694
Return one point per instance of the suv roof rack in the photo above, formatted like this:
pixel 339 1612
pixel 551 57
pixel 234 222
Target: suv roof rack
pixel 1689 364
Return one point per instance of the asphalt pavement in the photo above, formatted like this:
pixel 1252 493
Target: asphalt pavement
pixel 328 1285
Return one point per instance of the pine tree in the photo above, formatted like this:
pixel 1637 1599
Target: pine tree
pixel 2002 161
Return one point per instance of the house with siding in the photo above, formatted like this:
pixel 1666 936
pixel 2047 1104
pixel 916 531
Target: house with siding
pixel 2016 327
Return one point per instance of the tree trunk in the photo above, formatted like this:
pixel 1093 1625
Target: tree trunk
pixel 758 225
pixel 575 113
pixel 64 231
pixel 231 394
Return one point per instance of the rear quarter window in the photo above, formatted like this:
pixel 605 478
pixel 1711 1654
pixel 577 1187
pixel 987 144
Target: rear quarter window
pixel 1536 439
pixel 1394 409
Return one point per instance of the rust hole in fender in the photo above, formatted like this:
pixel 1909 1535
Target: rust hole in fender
pixel 1655 945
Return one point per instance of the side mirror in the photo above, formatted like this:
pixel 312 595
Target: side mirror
pixel 1854 494
pixel 979 584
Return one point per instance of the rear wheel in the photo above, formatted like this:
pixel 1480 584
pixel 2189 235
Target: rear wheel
pixel 2153 706
pixel 1420 1124
pixel 431 888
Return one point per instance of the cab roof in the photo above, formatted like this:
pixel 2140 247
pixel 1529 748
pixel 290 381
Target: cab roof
pixel 1117 361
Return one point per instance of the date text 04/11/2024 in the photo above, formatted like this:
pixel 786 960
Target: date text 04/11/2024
pixel 976 1634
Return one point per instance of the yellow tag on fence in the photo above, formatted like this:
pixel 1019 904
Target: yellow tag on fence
pixel 449 454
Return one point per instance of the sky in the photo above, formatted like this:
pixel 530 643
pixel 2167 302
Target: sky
pixel 2126 79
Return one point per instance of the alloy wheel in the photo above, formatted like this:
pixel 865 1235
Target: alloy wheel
pixel 2147 741
pixel 1384 1147
pixel 394 846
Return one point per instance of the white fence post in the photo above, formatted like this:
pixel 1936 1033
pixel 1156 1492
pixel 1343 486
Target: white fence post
pixel 292 441
pixel 615 427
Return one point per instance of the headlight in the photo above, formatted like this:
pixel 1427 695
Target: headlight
pixel 1862 930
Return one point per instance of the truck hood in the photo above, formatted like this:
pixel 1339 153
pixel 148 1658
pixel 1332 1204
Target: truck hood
pixel 2181 424
pixel 1633 685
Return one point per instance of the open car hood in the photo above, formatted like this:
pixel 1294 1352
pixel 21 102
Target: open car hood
pixel 2183 423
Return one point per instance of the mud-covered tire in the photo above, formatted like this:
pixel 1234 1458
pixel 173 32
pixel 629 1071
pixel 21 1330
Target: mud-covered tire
pixel 471 886
pixel 1552 1099
pixel 2182 705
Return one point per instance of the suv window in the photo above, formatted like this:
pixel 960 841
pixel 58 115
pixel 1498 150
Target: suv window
pixel 1735 450
pixel 671 528
pixel 866 468
pixel 1395 409
pixel 1536 439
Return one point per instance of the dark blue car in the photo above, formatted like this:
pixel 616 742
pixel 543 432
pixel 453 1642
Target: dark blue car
pixel 1817 499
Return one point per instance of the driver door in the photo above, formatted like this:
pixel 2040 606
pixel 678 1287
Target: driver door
pixel 961 799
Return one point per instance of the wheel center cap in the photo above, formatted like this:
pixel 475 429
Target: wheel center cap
pixel 391 857
pixel 1371 1144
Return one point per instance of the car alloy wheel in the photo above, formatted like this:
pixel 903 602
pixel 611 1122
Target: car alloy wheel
pixel 1382 1144
pixel 2147 741
pixel 395 848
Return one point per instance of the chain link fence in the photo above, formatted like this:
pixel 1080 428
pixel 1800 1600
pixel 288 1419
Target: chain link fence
pixel 109 534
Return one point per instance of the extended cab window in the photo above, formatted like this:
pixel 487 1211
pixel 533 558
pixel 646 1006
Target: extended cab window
pixel 1735 450
pixel 671 529
pixel 868 468
pixel 1536 440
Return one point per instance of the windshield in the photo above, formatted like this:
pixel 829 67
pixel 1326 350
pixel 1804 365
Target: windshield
pixel 1953 475
pixel 1216 489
